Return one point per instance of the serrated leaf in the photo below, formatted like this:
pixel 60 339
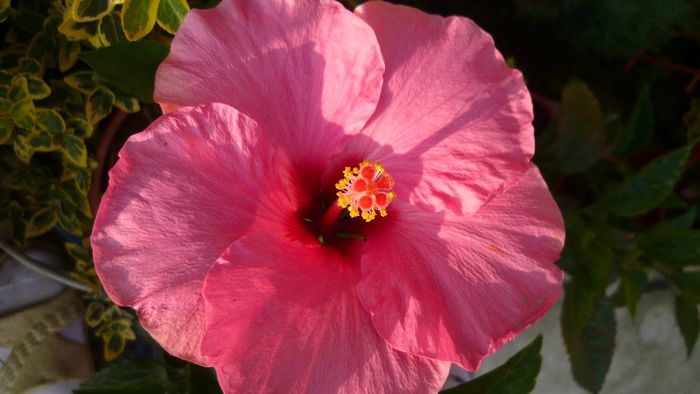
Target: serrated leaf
pixel 138 18
pixel 38 89
pixel 83 81
pixel 41 222
pixel 99 105
pixel 50 120
pixel 40 141
pixel 517 375
pixel 113 346
pixel 131 66
pixel 22 107
pixel 74 150
pixel 7 125
pixel 111 31
pixel 23 150
pixel 128 376
pixel 124 102
pixel 69 221
pixel 68 55
pixel 633 284
pixel 30 66
pixel 591 349
pixel 90 10
pixel 581 128
pixel 677 248
pixel 69 194
pixel 95 313
pixel 688 322
pixel 76 31
pixel 80 127
pixel 43 47
pixel 648 188
pixel 640 126
pixel 171 13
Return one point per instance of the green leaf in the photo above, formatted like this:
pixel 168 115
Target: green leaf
pixel 640 127
pixel 83 81
pixel 99 104
pixel 126 103
pixel 127 376
pixel 76 31
pixel 43 47
pixel 22 108
pixel 38 89
pixel 80 126
pixel 50 120
pixel 70 195
pixel 131 66
pixel 633 283
pixel 171 13
pixel 581 128
pixel 676 248
pixel 138 18
pixel 68 55
pixel 26 65
pixel 41 222
pixel 74 150
pixel 23 150
pixel 111 31
pixel 7 125
pixel 95 313
pixel 90 10
pixel 689 284
pixel 688 322
pixel 684 221
pixel 69 221
pixel 591 349
pixel 647 188
pixel 40 141
pixel 517 376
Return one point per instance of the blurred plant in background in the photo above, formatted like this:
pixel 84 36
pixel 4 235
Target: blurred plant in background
pixel 615 87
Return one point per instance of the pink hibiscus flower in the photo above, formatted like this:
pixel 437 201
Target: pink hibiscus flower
pixel 335 201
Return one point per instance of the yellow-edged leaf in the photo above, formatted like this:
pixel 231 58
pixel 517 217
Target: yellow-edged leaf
pixel 50 120
pixel 38 89
pixel 111 31
pixel 74 150
pixel 91 10
pixel 22 107
pixel 68 55
pixel 40 141
pixel 7 125
pixel 41 222
pixel 138 18
pixel 83 81
pixel 171 13
pixel 99 104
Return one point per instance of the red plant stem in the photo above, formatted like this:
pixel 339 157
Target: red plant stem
pixel 669 65
pixel 94 194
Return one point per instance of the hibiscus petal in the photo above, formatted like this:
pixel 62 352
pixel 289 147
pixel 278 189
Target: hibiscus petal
pixel 181 192
pixel 454 120
pixel 282 317
pixel 307 70
pixel 457 288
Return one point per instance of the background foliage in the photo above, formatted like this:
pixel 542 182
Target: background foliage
pixel 617 102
